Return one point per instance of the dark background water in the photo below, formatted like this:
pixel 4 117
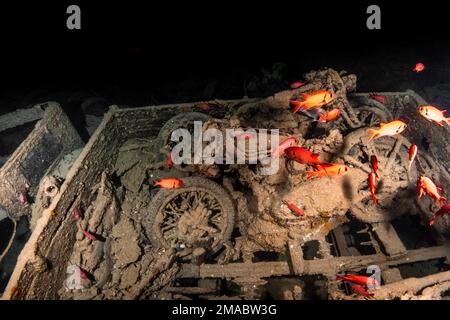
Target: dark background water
pixel 163 52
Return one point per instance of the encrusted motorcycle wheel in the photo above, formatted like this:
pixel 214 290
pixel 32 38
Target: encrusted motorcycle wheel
pixel 371 116
pixel 183 120
pixel 198 215
pixel 367 102
pixel 396 190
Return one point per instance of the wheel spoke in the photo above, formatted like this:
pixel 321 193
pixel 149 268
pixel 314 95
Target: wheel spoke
pixel 174 210
pixel 167 228
pixel 206 224
pixel 215 207
pixel 394 152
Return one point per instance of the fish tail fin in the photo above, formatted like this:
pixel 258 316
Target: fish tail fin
pixel 374 199
pixel 310 174
pixel 297 108
pixel 298 105
pixel 373 133
pixel 447 120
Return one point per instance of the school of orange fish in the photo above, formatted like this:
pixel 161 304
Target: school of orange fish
pixel 290 149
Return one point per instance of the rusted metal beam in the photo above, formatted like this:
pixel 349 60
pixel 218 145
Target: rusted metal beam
pixel 238 270
pixel 341 243
pixel 413 285
pixel 21 117
pixel 390 239
pixel 52 138
pixel 340 264
pixel 296 255
pixel 328 267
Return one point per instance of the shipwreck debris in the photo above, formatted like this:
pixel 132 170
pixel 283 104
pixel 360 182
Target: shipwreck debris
pixel 200 240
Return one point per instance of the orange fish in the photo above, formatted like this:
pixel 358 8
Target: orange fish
pixel 330 170
pixel 419 67
pixel 378 97
pixel 360 290
pixel 434 114
pixel 373 186
pixel 430 188
pixel 412 155
pixel 289 142
pixel 294 208
pixel 387 129
pixel 362 280
pixel 330 115
pixel 88 235
pixel 313 100
pixel 374 164
pixel 297 84
pixel 303 156
pixel 440 213
pixel 169 183
pixel 204 106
